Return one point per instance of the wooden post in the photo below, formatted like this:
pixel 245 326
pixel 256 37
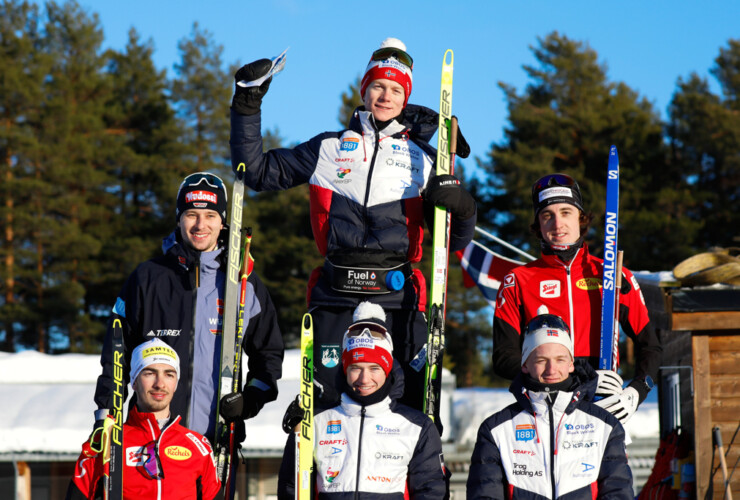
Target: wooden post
pixel 22 481
pixel 702 413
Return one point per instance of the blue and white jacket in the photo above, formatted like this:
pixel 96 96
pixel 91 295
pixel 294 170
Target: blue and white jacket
pixel 365 189
pixel 536 450
pixel 383 451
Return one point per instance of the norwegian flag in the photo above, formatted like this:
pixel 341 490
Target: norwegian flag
pixel 485 268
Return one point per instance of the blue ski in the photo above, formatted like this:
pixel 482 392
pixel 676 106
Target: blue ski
pixel 609 326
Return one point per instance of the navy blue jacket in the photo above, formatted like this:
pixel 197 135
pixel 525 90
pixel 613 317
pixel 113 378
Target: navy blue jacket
pixel 537 450
pixel 158 300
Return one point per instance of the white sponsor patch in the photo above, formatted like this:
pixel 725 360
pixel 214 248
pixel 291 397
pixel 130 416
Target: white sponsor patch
pixel 509 280
pixel 549 289
pixel 360 343
pixel 135 456
pixel 555 191
pixel 201 448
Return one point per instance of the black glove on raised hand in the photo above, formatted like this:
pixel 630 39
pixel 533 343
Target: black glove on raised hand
pixel 242 405
pixel 247 100
pixel 446 191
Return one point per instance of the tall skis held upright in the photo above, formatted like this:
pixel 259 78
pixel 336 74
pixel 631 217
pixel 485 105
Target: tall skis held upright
pixel 229 324
pixel 446 138
pixel 609 345
pixel 245 271
pixel 305 435
pixel 114 489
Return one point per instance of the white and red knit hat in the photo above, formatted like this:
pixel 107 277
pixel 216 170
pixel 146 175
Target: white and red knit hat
pixel 152 352
pixel 387 64
pixel 367 339
pixel 545 328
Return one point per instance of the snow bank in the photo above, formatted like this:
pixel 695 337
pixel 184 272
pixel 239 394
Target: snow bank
pixel 48 406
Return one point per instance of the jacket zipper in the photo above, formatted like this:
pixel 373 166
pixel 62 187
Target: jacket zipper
pixel 570 300
pixel 359 454
pixel 192 340
pixel 157 440
pixel 552 445
pixel 369 180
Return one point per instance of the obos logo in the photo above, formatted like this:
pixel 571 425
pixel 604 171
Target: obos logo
pixel 349 144
pixel 404 149
pixel 524 432
pixel 579 429
pixel 360 342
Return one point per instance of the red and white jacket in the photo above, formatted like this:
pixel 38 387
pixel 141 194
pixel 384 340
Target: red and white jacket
pixel 573 292
pixel 186 457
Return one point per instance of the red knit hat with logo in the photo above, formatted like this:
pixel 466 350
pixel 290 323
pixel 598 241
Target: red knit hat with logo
pixel 390 62
pixel 367 339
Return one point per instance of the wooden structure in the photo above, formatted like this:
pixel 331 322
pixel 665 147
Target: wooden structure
pixel 700 332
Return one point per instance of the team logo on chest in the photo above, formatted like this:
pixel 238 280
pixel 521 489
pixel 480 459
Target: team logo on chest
pixel 330 355
pixel 524 432
pixel 334 427
pixel 550 289
pixel 349 144
pixel 403 150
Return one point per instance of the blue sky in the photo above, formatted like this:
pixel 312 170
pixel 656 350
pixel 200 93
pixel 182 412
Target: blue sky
pixel 646 44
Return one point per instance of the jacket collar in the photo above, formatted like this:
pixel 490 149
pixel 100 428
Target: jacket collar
pixel 418 122
pixel 185 257
pixel 353 408
pixel 579 261
pixel 147 421
pixel 583 389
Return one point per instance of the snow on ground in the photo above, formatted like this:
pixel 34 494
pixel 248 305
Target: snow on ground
pixel 47 406
pixel 656 277
pixel 30 367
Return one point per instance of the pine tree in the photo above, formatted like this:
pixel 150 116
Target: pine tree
pixel 21 95
pixel 143 171
pixel 705 138
pixel 202 93
pixel 351 99
pixel 565 121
